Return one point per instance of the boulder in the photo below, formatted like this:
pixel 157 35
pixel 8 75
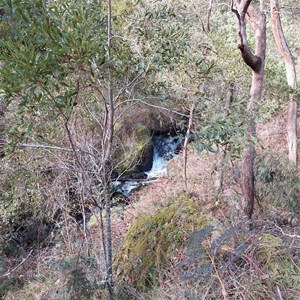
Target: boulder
pixel 152 241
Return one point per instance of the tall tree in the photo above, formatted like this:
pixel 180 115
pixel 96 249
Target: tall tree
pixel 291 80
pixel 256 61
pixel 2 122
pixel 90 73
pixel 107 141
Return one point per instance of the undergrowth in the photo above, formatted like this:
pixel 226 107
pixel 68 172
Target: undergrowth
pixel 238 264
pixel 277 182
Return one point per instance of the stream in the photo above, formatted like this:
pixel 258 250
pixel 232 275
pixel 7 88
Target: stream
pixel 165 147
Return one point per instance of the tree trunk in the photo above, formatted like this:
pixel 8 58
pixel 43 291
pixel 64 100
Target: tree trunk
pixel 247 171
pixel 106 164
pixel 208 15
pixel 291 80
pixel 256 62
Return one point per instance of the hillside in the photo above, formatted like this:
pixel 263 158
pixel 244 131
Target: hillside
pixel 149 150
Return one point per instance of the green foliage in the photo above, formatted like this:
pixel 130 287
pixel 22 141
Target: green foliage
pixel 23 206
pixel 167 41
pixel 10 284
pixel 230 64
pixel 55 73
pixel 47 47
pixel 55 56
pixel 62 277
pixel 225 132
pixel 78 275
pixel 134 144
pixel 276 89
pixel 277 181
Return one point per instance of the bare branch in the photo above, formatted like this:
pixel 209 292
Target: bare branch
pixel 154 106
pixel 127 86
pixel 234 10
pixel 186 140
pixel 47 147
pixel 279 292
pixel 16 267
pixel 286 234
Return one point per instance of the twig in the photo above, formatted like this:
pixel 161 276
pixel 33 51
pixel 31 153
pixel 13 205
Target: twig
pixel 151 105
pixel 40 147
pixel 279 292
pixel 186 140
pixel 286 234
pixel 16 267
pixel 122 90
pixel 47 147
pixel 212 259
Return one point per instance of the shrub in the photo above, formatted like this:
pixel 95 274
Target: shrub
pixel 277 182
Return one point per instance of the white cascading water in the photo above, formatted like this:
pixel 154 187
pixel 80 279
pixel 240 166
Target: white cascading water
pixel 165 147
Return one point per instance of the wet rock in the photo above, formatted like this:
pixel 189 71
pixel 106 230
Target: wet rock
pixel 146 160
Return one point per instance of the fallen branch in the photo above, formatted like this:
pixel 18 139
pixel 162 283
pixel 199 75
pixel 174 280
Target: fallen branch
pixel 16 267
pixel 286 234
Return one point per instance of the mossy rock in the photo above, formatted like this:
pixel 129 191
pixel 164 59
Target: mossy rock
pixel 152 241
pixel 272 253
pixel 135 146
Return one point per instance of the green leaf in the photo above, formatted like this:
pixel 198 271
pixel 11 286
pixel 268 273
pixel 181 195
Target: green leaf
pixel 30 127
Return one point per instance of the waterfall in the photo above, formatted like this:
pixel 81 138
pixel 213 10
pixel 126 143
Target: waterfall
pixel 165 147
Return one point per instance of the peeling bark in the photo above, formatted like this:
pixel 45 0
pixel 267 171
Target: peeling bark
pixel 247 172
pixel 291 80
pixel 291 128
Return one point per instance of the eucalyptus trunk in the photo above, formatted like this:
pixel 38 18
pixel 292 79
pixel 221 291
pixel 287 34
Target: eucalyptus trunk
pixel 291 80
pixel 256 62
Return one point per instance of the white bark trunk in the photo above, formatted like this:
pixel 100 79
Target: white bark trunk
pixel 291 80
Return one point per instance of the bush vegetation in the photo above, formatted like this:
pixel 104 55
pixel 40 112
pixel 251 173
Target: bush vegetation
pixel 59 68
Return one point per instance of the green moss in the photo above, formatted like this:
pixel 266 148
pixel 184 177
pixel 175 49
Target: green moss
pixel 152 241
pixel 137 144
pixel 273 254
pixel 142 133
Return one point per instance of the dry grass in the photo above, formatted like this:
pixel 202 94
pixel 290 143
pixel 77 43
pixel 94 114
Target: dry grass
pixel 248 281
